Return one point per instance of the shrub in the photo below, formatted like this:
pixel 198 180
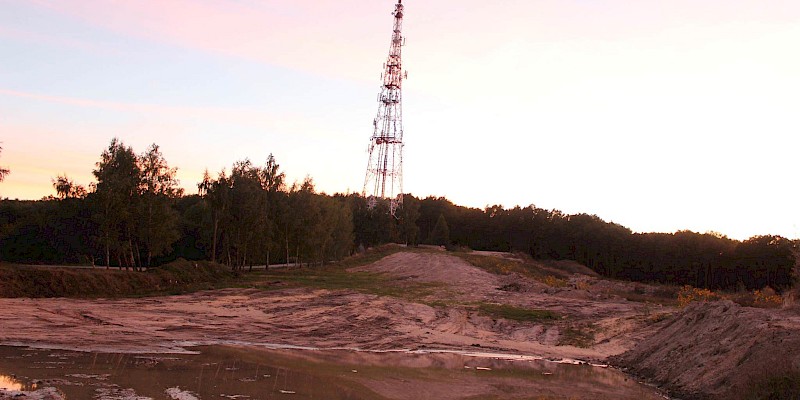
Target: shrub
pixel 767 298
pixel 582 285
pixel 689 294
pixel 552 281
pixel 790 297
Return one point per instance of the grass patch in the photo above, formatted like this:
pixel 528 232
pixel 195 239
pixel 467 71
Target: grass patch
pixel 495 265
pixel 527 268
pixel 646 298
pixel 517 313
pixel 372 255
pixel 337 277
pixel 576 336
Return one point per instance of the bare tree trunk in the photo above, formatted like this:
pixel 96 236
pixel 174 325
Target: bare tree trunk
pixel 287 246
pixel 149 233
pixel 139 256
pixel 244 257
pixel 214 241
pixel 108 254
pixel 133 256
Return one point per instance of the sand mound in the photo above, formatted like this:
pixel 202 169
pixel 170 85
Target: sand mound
pixel 443 268
pixel 716 350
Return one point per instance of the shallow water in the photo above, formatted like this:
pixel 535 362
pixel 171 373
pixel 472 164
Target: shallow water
pixel 223 372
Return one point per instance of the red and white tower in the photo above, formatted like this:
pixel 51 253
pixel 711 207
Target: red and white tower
pixel 384 180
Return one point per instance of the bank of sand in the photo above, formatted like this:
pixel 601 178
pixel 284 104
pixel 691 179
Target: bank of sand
pixel 343 319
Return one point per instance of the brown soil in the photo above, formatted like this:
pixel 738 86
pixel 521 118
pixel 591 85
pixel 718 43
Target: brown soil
pixel 718 350
pixel 701 351
pixel 337 319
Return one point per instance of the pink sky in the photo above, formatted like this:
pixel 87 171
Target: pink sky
pixel 660 115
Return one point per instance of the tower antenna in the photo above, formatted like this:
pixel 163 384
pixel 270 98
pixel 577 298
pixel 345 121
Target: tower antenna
pixel 384 178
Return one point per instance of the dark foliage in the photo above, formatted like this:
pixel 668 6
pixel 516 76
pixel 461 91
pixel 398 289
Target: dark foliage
pixel 685 258
pixel 135 216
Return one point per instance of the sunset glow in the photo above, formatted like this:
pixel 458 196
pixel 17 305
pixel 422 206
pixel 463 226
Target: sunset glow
pixel 656 115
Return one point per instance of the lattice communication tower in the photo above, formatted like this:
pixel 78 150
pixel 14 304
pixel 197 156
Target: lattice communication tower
pixel 384 180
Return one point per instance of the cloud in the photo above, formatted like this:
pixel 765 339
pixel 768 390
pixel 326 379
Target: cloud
pixel 241 115
pixel 312 36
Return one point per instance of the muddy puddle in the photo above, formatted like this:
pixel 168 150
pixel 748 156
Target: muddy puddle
pixel 226 372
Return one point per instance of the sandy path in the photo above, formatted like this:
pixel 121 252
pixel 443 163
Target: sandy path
pixel 325 319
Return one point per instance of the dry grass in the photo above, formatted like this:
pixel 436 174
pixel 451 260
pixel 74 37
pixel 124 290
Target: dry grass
pixel 552 281
pixel 790 297
pixel 524 267
pixel 578 336
pixel 689 294
pixel 517 313
pixel 764 298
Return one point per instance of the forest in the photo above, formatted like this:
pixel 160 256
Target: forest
pixel 135 216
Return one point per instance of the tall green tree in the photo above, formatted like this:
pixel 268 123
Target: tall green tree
pixel 408 215
pixel 372 225
pixel 272 182
pixel 246 209
pixel 67 189
pixel 117 195
pixel 157 220
pixel 248 202
pixel 441 232
pixel 304 233
pixel 336 230
pixel 216 192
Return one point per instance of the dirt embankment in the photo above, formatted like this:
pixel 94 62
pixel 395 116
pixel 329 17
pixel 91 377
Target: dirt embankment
pixel 718 350
pixel 45 281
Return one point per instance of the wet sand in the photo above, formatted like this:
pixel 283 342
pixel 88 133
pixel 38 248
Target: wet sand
pixel 253 373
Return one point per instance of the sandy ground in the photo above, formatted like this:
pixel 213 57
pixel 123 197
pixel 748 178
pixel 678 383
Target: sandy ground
pixel 704 351
pixel 333 319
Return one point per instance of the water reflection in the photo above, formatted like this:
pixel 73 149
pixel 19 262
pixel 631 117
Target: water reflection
pixel 236 372
pixel 10 383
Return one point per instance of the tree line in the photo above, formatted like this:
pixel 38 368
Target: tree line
pixel 708 260
pixel 135 215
